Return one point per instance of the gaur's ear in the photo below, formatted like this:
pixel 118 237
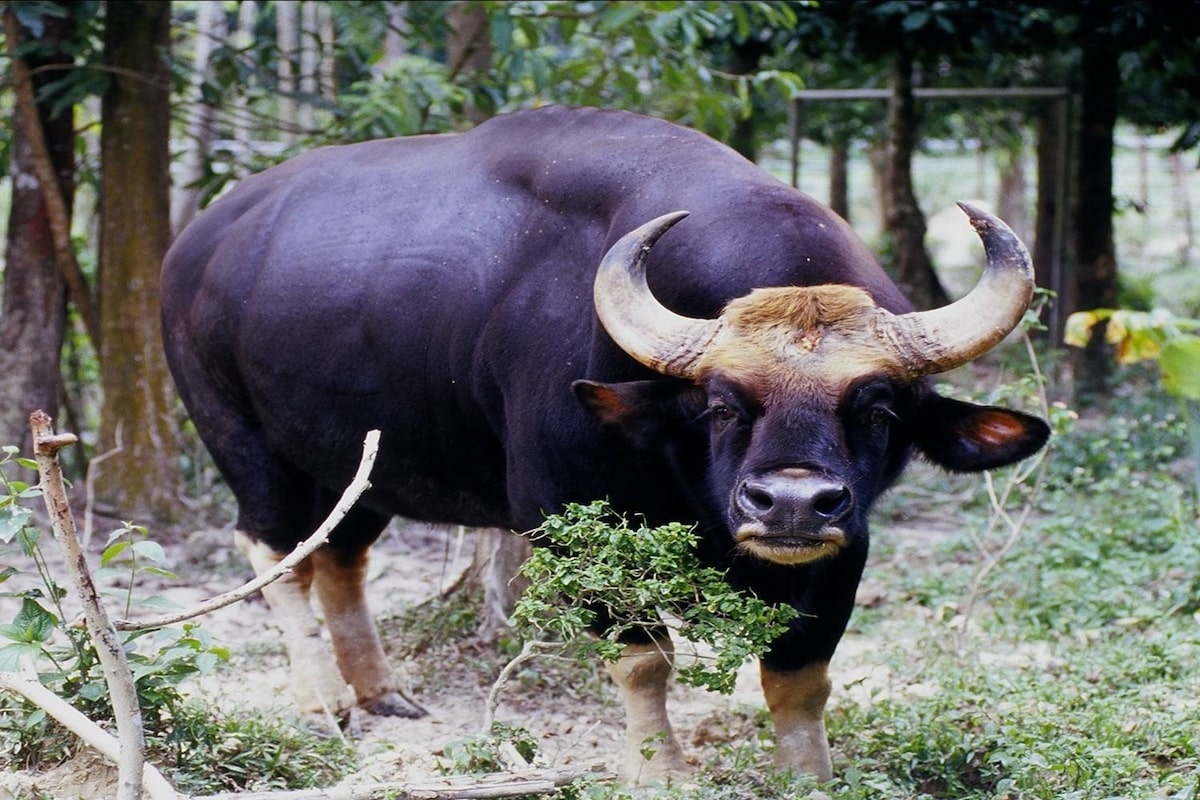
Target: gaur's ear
pixel 644 412
pixel 965 437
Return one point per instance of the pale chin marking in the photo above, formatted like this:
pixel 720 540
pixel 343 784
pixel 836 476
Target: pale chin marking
pixel 787 555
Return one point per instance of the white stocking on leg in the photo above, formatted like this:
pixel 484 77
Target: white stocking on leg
pixel 651 750
pixel 356 644
pixel 797 703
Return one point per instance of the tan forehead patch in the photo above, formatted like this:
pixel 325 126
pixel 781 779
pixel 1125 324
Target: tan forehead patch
pixel 815 335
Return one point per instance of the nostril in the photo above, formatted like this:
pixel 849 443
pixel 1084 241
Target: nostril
pixel 755 500
pixel 832 503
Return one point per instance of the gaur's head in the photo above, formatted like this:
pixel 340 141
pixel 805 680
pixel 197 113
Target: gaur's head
pixel 811 398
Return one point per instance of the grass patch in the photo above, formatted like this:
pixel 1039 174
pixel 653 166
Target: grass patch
pixel 207 751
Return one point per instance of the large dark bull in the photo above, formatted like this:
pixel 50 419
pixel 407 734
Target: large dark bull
pixel 491 302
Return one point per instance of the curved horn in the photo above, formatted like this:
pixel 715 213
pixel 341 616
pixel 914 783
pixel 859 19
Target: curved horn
pixel 643 327
pixel 944 338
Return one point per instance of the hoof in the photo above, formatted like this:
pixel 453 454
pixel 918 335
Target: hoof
pixel 331 724
pixel 651 764
pixel 393 704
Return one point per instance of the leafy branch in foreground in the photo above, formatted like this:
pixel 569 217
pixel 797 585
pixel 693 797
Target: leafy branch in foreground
pixel 592 560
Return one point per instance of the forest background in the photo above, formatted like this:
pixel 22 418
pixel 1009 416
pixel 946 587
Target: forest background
pixel 126 118
pixel 1037 629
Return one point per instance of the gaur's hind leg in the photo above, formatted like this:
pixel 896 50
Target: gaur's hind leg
pixel 340 575
pixel 316 681
pixel 651 750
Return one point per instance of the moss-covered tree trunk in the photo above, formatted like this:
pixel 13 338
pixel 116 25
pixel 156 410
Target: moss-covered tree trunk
pixel 33 306
pixel 139 480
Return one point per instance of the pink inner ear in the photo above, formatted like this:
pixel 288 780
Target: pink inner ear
pixel 996 428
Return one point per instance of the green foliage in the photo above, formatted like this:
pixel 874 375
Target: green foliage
pixel 201 749
pixel 1158 335
pixel 1080 679
pixel 476 755
pixel 415 95
pixel 1095 727
pixel 667 58
pixel 205 751
pixel 592 560
pixel 1134 546
pixel 42 637
pixel 423 627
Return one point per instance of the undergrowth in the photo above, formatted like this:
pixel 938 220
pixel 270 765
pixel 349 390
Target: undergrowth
pixel 200 748
pixel 1079 675
pixel 1073 673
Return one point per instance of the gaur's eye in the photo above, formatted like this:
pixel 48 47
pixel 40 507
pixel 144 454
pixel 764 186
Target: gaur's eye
pixel 719 412
pixel 880 416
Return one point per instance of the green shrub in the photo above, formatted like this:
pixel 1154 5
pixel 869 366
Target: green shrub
pixel 592 559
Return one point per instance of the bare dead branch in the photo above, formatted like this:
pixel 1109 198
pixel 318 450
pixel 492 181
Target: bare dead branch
pixel 357 486
pixel 109 651
pixel 531 649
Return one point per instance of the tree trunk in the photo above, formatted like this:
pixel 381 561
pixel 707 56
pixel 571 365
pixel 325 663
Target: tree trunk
pixel 1096 261
pixel 243 39
pixel 878 159
pixel 310 61
pixel 211 32
pixel 287 32
pixel 33 307
pixel 1049 224
pixel 395 44
pixel 135 227
pixel 905 224
pixel 1011 205
pixel 744 59
pixel 1183 211
pixel 468 47
pixel 839 174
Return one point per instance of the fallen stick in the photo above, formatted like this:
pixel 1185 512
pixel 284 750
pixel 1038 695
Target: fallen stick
pixel 77 723
pixel 349 497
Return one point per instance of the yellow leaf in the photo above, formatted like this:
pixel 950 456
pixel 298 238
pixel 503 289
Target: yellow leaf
pixel 1079 326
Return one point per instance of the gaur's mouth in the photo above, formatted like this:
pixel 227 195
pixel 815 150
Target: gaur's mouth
pixel 793 548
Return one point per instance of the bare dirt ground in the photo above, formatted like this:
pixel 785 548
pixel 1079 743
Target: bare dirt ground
pixel 571 708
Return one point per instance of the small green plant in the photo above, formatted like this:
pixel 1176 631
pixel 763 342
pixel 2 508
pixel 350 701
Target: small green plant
pixel 593 559
pixel 206 751
pixel 476 755
pixel 203 750
pixel 41 636
pixel 1158 335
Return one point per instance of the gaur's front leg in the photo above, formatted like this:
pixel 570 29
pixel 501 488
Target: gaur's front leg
pixel 796 700
pixel 651 750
